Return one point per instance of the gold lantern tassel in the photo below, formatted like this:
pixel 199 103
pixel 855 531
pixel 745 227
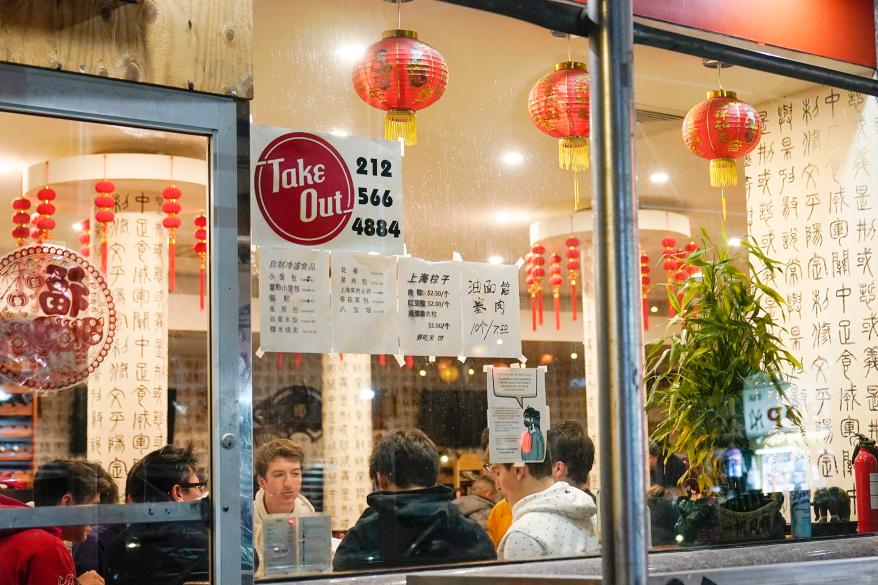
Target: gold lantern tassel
pixel 401 124
pixel 723 173
pixel 573 153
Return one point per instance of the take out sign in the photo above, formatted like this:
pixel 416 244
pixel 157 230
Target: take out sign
pixel 321 191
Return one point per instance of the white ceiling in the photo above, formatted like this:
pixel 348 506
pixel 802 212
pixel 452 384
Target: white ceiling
pixel 454 182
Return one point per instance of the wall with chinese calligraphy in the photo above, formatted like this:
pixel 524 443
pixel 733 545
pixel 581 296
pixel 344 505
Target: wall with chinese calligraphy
pixel 811 202
pixel 128 394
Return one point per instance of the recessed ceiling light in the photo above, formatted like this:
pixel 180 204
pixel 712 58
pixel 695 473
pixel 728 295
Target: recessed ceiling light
pixel 350 52
pixel 574 355
pixel 422 373
pixel 470 371
pixel 496 260
pixel 509 216
pixel 9 165
pixel 659 177
pixel 735 242
pixel 512 158
pixel 77 227
pixel 653 309
pixel 339 132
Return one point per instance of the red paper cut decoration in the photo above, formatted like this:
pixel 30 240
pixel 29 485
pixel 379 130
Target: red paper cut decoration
pixel 538 271
pixel 400 75
pixel 573 266
pixel 721 129
pixel 104 215
pixel 559 106
pixel 20 218
pixel 85 238
pixel 555 281
pixel 171 207
pixel 43 222
pixel 200 248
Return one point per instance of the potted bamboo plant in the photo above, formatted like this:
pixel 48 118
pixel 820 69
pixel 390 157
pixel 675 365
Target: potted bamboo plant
pixel 722 338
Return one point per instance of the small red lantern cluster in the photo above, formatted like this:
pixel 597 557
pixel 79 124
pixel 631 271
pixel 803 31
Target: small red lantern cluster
pixel 200 248
pixel 20 219
pixel 400 75
pixel 42 220
pixel 555 281
pixel 171 207
pixel 105 204
pixel 535 262
pixel 85 238
pixel 573 266
pixel 645 281
pixel 535 284
pixel 721 129
pixel 559 105
pixel 673 262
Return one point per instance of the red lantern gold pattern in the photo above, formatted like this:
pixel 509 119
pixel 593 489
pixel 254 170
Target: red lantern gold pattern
pixel 43 222
pixel 400 75
pixel 559 105
pixel 20 219
pixel 200 248
pixel 85 238
pixel 538 263
pixel 555 281
pixel 104 215
pixel 645 281
pixel 721 129
pixel 573 266
pixel 171 207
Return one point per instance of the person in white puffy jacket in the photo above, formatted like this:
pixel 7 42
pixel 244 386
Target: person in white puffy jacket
pixel 548 518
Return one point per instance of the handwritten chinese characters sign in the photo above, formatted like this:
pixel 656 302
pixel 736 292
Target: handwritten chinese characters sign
pixel 319 190
pixel 363 303
pixel 429 306
pixel 294 300
pixel 491 321
pixel 57 318
pixel 812 204
pixel 128 394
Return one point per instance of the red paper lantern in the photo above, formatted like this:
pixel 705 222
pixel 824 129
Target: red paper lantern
pixel 85 238
pixel 531 289
pixel 537 272
pixel 20 219
pixel 104 215
pixel 645 281
pixel 43 222
pixel 200 248
pixel 721 129
pixel 400 75
pixel 559 106
pixel 573 266
pixel 555 281
pixel 171 207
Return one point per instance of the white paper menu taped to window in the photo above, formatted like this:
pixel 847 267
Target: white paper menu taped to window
pixel 363 303
pixel 294 300
pixel 491 321
pixel 429 307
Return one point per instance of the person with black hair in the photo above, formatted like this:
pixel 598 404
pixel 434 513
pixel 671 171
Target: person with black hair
pixel 411 519
pixel 90 554
pixel 572 453
pixel 169 553
pixel 36 556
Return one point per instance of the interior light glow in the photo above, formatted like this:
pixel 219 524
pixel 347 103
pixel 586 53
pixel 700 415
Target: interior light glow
pixel 350 52
pixel 734 242
pixel 496 260
pixel 659 177
pixel 512 158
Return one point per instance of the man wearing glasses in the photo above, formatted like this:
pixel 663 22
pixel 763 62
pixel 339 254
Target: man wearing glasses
pixel 167 553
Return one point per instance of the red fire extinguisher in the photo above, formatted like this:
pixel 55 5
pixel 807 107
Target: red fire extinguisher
pixel 865 459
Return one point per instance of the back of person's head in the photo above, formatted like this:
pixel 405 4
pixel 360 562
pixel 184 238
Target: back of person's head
pixel 58 478
pixel 152 478
pixel 108 491
pixel 407 458
pixel 569 444
pixel 284 448
pixel 539 469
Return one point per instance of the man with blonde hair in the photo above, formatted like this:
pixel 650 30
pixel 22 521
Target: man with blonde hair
pixel 278 467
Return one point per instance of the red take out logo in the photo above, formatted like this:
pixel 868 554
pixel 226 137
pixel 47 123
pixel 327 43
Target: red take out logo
pixel 303 188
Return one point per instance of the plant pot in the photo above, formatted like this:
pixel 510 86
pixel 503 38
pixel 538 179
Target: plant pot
pixel 764 522
pixel 698 523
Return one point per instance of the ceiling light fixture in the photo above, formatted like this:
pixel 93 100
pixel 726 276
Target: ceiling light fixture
pixel 339 132
pixel 350 52
pixel 495 260
pixel 9 165
pixel 512 158
pixel 659 177
pixel 509 216
pixel 574 355
pixel 77 227
pixel 734 242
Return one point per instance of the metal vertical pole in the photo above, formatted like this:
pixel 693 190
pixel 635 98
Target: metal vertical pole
pixel 617 296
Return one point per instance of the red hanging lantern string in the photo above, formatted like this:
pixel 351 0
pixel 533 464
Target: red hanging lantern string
pixel 555 281
pixel 200 248
pixel 538 262
pixel 85 238
pixel 529 280
pixel 172 207
pixel 573 266
pixel 20 219
pixel 104 215
pixel 297 360
pixel 44 222
pixel 645 281
pixel 409 362
pixel 690 248
pixel 670 265
pixel 382 359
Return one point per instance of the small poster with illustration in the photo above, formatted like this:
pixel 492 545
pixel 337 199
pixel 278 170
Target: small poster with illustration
pixel 518 416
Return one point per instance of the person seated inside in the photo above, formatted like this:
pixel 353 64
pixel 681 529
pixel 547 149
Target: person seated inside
pixel 32 556
pixel 667 470
pixel 410 519
pixel 480 500
pixel 170 553
pixel 572 453
pixel 549 518
pixel 90 555
pixel 500 517
pixel 278 467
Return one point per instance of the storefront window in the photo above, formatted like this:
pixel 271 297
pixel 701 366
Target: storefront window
pixel 104 398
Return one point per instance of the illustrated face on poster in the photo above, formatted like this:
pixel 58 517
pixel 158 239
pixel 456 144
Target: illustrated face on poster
pixel 491 325
pixel 294 300
pixel 518 416
pixel 319 190
pixel 364 303
pixel 429 306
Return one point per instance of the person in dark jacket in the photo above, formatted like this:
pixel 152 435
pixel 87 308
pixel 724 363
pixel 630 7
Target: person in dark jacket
pixel 410 520
pixel 480 500
pixel 89 555
pixel 170 553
